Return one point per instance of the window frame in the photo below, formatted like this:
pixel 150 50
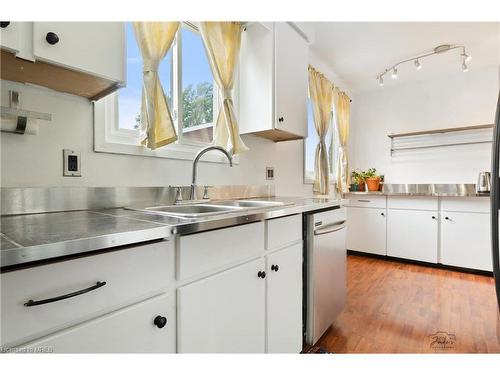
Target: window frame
pixel 110 138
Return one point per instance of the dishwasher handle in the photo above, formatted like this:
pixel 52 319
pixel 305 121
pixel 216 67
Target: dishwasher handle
pixel 330 227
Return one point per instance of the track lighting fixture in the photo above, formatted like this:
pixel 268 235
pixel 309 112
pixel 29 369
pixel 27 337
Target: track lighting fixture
pixel 416 60
pixel 394 74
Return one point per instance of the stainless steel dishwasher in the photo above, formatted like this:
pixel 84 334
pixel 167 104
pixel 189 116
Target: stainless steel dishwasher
pixel 325 272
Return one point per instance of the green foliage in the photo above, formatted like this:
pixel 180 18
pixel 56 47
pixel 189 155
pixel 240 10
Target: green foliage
pixel 370 173
pixel 197 104
pixel 360 177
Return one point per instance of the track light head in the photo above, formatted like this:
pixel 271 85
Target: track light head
pixel 418 66
pixel 465 68
pixel 381 80
pixel 394 73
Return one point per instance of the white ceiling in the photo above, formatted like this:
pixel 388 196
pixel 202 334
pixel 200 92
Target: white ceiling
pixel 358 51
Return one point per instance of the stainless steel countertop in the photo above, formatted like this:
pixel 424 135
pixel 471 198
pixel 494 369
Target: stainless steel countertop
pixel 435 190
pixel 36 237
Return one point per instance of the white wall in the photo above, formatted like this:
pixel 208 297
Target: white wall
pixel 37 160
pixel 459 99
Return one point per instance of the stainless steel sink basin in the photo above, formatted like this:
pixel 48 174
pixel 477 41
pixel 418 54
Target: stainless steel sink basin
pixel 251 203
pixel 192 210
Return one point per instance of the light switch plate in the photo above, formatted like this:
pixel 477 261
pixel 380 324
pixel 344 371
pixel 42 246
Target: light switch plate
pixel 71 163
pixel 269 173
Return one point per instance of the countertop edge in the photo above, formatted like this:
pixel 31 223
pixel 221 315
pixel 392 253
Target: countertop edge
pixel 19 256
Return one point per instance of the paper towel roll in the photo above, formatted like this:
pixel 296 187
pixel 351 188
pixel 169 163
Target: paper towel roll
pixel 10 125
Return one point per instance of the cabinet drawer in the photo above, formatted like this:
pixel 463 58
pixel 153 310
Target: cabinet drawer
pixel 466 204
pixel 373 201
pixel 131 275
pixel 413 203
pixel 129 330
pixel 209 251
pixel 283 231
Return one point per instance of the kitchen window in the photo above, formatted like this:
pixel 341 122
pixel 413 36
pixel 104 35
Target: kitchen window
pixel 310 143
pixel 191 93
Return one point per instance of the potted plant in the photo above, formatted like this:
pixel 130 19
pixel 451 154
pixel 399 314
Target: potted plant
pixel 372 179
pixel 357 181
pixel 354 181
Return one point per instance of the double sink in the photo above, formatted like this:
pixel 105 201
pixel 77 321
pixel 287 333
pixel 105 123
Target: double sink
pixel 194 210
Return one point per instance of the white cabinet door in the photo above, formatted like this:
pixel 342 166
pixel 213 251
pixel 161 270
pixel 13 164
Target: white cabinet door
pixel 10 36
pixel 284 301
pixel 465 240
pixel 135 329
pixel 412 234
pixel 291 80
pixel 224 313
pixel 91 47
pixel 366 230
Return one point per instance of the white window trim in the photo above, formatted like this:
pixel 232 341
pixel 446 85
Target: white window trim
pixel 109 138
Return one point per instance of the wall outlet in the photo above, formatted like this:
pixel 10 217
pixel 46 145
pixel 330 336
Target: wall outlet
pixel 269 173
pixel 71 163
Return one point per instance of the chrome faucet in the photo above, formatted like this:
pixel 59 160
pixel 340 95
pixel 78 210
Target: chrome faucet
pixel 192 196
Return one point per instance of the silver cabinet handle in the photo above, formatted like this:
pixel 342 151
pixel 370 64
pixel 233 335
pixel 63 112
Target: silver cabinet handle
pixel 364 200
pixel 329 228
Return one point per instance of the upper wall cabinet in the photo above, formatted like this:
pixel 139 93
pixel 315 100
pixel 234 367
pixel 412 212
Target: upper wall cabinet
pixel 9 36
pixel 81 58
pixel 273 82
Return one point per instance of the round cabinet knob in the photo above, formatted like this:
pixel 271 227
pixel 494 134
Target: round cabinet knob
pixel 447 218
pixel 434 217
pixel 4 24
pixel 261 274
pixel 160 321
pixel 275 267
pixel 52 38
pixel 382 214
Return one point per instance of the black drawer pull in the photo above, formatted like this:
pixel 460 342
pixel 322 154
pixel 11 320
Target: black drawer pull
pixel 261 274
pixel 160 321
pixel 99 284
pixel 275 267
pixel 52 38
pixel 4 24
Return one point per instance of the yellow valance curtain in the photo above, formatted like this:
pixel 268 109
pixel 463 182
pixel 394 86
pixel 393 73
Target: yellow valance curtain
pixel 343 109
pixel 154 40
pixel 222 42
pixel 321 94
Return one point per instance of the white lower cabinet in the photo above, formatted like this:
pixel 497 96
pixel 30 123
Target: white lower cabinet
pixel 284 300
pixel 366 229
pixel 146 327
pixel 224 313
pixel 412 234
pixel 465 240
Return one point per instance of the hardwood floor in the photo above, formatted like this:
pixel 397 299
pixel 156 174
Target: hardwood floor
pixel 394 307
